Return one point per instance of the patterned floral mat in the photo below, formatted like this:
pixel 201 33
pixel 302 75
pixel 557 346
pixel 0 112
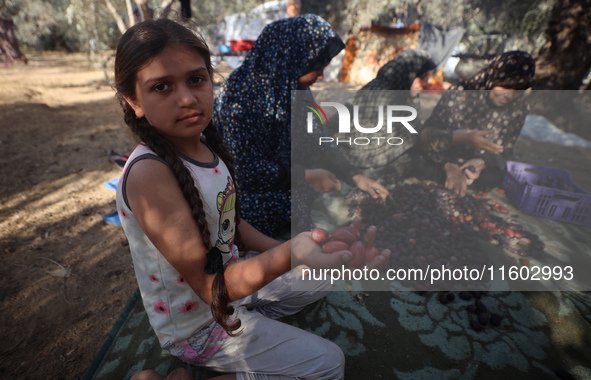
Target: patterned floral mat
pixel 413 335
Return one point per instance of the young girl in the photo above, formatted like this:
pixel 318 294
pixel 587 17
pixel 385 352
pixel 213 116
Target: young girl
pixel 180 211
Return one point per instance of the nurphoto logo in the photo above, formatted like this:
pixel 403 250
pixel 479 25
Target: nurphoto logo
pixel 393 116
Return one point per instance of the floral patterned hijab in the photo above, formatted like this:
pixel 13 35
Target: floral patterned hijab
pixel 506 70
pixel 399 73
pixel 258 93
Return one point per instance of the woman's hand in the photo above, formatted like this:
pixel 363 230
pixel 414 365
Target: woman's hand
pixel 322 181
pixel 455 179
pixel 476 139
pixel 375 189
pixel 381 259
pixel 472 169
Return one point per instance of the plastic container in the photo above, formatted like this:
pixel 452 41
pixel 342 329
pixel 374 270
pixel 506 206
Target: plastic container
pixel 547 192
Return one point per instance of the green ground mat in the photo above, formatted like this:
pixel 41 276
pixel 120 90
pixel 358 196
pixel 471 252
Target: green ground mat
pixel 132 346
pixel 406 335
pixel 411 335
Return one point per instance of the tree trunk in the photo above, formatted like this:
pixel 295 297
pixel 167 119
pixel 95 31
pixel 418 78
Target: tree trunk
pixel 118 19
pixel 145 13
pixel 564 60
pixel 563 64
pixel 9 50
pixel 130 13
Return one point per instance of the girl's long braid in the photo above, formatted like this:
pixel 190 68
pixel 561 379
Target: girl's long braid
pixel 220 307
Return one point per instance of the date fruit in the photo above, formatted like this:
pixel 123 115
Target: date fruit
pixel 345 235
pixel 320 235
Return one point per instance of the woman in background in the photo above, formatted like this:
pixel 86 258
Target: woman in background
pixel 398 82
pixel 471 133
pixel 254 113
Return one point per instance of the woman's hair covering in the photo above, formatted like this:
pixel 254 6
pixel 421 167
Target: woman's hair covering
pixel 400 72
pixel 512 68
pixel 253 112
pixel 261 87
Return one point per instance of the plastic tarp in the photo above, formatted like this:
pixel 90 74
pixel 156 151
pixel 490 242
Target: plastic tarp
pixel 439 41
pixel 248 26
pixel 539 128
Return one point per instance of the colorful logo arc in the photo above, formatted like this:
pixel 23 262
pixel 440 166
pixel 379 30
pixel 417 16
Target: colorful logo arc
pixel 315 109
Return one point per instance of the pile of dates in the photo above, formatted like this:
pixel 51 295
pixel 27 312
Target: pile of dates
pixel 349 238
pixel 425 224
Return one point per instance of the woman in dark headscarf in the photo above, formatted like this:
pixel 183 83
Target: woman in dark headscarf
pixel 397 83
pixel 471 133
pixel 253 112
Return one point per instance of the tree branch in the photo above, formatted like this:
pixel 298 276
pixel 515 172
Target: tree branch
pixel 165 8
pixel 130 13
pixel 118 19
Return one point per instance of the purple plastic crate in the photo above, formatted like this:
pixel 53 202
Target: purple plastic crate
pixel 547 192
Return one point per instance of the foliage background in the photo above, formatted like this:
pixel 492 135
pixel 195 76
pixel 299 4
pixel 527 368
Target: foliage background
pixel 490 25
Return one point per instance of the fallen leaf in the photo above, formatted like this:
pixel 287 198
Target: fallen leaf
pixel 61 272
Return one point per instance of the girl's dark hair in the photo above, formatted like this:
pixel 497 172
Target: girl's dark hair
pixel 136 48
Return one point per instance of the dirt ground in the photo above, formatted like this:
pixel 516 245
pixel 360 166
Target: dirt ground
pixel 65 275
